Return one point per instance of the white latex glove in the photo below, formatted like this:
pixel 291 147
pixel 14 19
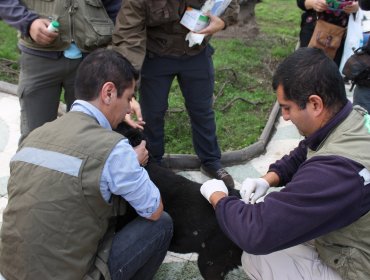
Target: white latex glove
pixel 211 186
pixel 257 186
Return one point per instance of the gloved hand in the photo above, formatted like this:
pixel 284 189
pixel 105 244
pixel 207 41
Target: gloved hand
pixel 256 186
pixel 211 186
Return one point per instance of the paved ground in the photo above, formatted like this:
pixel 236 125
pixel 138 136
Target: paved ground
pixel 175 266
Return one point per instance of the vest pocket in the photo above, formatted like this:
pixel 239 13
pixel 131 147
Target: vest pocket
pixel 99 33
pixel 97 29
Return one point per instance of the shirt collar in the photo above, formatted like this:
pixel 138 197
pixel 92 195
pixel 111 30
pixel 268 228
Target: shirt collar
pixel 91 110
pixel 313 141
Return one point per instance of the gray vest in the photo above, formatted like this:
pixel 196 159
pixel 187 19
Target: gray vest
pixel 347 250
pixel 84 22
pixel 56 217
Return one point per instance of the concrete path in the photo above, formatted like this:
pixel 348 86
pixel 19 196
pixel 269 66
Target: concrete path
pixel 175 266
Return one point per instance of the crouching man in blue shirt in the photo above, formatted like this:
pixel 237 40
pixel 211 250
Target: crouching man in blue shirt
pixel 318 226
pixel 67 181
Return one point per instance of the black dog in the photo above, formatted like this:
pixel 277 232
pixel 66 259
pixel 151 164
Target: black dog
pixel 195 225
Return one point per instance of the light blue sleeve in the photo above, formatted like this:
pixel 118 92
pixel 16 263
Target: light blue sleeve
pixel 123 175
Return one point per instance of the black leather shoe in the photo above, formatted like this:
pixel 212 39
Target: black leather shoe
pixel 220 174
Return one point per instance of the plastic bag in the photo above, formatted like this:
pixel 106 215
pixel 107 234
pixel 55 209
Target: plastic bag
pixel 354 37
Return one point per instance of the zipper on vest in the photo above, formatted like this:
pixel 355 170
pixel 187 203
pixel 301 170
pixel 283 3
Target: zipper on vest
pixel 72 10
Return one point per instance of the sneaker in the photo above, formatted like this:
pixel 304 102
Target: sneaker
pixel 220 174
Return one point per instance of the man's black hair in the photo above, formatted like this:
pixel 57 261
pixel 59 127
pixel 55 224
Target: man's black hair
pixel 99 67
pixel 309 71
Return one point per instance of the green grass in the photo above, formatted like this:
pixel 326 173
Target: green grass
pixel 8 53
pixel 243 71
pixel 8 46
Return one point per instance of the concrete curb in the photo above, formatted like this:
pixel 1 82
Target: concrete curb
pixel 191 162
pixel 8 88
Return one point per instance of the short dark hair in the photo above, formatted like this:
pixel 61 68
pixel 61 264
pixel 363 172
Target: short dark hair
pixel 99 67
pixel 309 71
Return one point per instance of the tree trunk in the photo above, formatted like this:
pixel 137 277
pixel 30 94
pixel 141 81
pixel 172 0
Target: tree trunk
pixel 246 27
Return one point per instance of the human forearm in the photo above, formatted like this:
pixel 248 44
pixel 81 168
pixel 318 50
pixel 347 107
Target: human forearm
pixel 216 197
pixel 17 15
pixel 157 214
pixel 129 36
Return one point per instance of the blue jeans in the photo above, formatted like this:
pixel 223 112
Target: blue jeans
pixel 139 248
pixel 195 75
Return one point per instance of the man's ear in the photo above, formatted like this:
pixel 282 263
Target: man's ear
pixel 316 104
pixel 107 92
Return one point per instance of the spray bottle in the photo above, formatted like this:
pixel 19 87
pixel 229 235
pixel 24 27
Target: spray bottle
pixel 53 26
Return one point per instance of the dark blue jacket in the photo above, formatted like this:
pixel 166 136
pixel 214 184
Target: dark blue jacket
pixel 321 195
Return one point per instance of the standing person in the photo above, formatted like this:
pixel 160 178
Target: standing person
pixel 326 198
pixel 318 9
pixel 150 35
pixel 361 94
pixel 66 179
pixel 49 59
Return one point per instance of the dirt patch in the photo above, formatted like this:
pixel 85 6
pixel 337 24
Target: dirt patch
pixel 244 32
pixel 9 71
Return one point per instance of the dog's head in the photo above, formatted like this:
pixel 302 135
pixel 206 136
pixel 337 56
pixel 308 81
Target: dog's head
pixel 134 135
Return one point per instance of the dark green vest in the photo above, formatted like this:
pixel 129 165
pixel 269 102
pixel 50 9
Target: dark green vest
pixel 84 22
pixel 56 217
pixel 347 250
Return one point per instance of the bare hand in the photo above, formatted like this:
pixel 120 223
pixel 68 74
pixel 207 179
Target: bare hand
pixel 317 5
pixel 39 32
pixel 135 110
pixel 215 24
pixel 349 9
pixel 142 153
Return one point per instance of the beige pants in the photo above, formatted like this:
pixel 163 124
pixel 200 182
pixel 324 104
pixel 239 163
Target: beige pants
pixel 295 263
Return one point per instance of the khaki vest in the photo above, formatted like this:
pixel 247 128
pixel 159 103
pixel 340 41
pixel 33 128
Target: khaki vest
pixel 162 32
pixel 56 217
pixel 347 250
pixel 85 22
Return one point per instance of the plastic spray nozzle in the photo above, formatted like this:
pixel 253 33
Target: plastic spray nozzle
pixel 53 26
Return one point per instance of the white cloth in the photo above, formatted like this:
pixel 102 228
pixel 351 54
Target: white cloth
pixel 300 262
pixel 354 37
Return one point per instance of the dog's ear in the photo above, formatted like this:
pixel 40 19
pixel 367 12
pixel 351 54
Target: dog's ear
pixel 134 135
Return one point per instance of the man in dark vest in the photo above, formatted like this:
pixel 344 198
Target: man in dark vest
pixel 318 225
pixel 67 180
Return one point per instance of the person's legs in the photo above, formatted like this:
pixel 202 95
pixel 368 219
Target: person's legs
pixel 139 248
pixel 69 81
pixel 40 86
pixel 361 96
pixel 196 81
pixel 156 79
pixel 295 263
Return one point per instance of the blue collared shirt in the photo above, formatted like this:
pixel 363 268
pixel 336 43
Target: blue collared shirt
pixel 122 173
